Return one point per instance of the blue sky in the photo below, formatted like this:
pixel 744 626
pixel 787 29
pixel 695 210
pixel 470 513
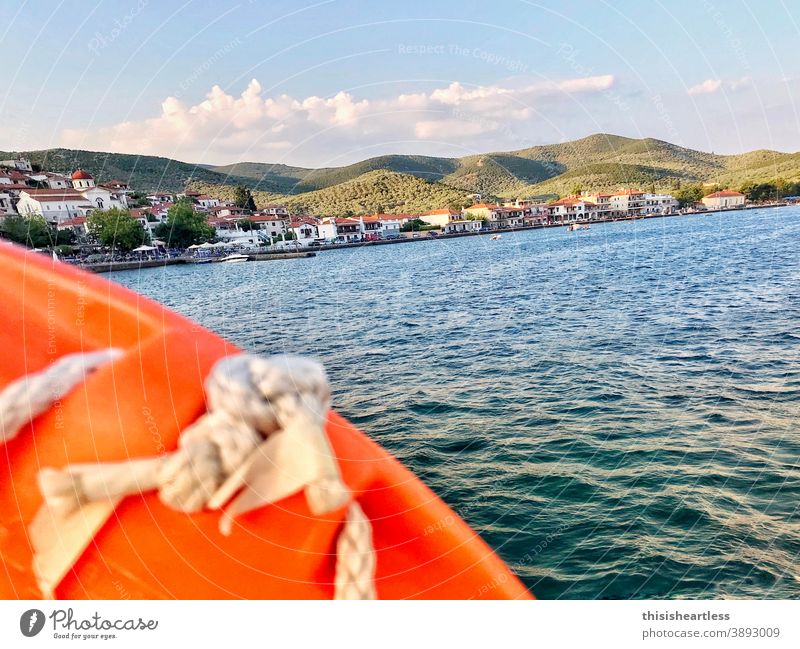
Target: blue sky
pixel 332 82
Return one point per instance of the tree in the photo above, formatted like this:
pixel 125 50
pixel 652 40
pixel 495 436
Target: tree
pixel 184 227
pixel 415 225
pixel 246 225
pixel 30 230
pixel 243 198
pixel 116 228
pixel 65 237
pixel 688 194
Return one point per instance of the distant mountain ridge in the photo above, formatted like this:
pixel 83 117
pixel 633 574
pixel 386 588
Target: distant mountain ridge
pixel 600 161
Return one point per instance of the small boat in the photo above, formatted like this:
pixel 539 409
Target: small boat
pixel 202 260
pixel 496 237
pixel 574 227
pixel 235 258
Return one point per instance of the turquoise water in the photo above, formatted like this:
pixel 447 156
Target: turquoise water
pixel 615 411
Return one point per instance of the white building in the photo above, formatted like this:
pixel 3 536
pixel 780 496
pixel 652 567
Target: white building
pixel 571 209
pixel 20 164
pixel 340 230
pixel 6 204
pixel 460 226
pixel 391 224
pixel 725 199
pixel 304 229
pixel 225 211
pixel 440 218
pixel 55 205
pixel 628 202
pixel 383 226
pixel 159 197
pixel 496 216
pixel 270 226
pixel 207 201
pixel 77 225
pixel 275 210
pixel 101 197
pixel 53 181
pixel 659 204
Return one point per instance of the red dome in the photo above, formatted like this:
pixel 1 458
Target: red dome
pixel 80 174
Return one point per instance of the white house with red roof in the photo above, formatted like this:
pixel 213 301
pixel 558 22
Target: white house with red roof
pixel 77 225
pixel 725 199
pixel 271 226
pixel 572 208
pixel 100 196
pixel 55 205
pixel 385 226
pixel 341 230
pixel 304 229
pixel 627 202
pixel 441 217
pixel 495 216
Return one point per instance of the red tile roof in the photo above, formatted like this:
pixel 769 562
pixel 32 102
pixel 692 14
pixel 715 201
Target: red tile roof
pixel 262 218
pixel 440 211
pixel 53 194
pixel 78 220
pixel 725 193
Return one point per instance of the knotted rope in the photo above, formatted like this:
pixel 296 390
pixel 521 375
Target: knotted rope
pixel 28 397
pixel 262 440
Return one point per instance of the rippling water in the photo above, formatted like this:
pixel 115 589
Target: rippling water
pixel 615 411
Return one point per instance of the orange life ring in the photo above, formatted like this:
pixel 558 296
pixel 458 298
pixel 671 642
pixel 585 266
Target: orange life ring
pixel 136 407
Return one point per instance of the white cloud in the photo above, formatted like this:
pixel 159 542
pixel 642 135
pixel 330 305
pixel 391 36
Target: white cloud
pixel 710 86
pixel 707 87
pixel 225 128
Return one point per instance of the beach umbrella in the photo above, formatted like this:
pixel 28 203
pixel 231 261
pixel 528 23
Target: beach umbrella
pixel 143 249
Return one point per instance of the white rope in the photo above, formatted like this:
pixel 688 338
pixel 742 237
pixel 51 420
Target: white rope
pixel 27 398
pixel 262 440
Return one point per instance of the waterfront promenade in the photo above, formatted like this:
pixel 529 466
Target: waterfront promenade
pixel 105 267
pixel 111 266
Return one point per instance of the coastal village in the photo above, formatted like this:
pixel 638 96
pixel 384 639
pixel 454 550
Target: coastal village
pixel 66 203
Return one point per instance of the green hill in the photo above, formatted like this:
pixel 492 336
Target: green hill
pixel 140 171
pixel 375 191
pixel 299 180
pixel 600 161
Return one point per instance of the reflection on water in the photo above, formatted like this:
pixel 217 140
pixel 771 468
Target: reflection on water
pixel 615 411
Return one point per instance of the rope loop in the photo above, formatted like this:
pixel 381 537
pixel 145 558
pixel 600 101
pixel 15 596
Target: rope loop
pixel 262 440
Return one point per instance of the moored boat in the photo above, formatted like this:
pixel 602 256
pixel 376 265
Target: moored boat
pixel 235 258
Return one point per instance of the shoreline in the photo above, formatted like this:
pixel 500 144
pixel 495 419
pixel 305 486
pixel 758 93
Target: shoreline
pixel 482 233
pixel 108 267
pixel 112 266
